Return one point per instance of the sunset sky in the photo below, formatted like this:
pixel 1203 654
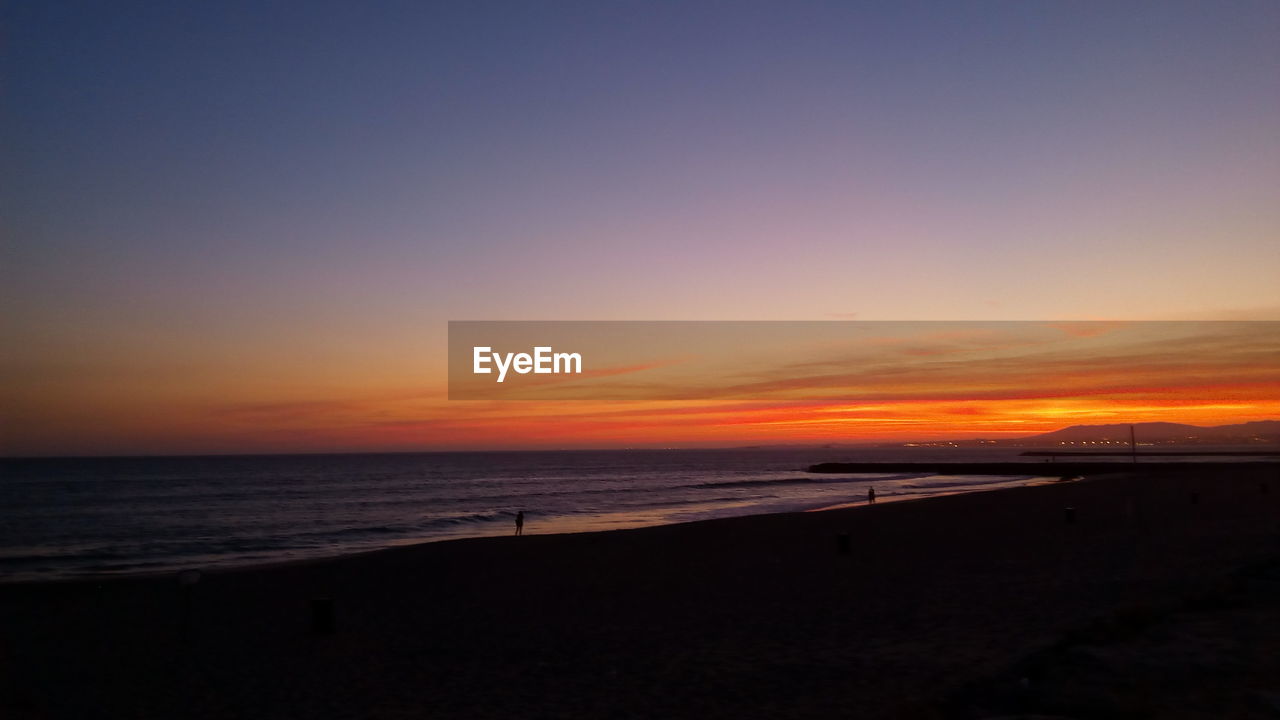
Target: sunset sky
pixel 244 226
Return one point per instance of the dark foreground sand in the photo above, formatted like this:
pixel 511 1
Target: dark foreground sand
pixel 1150 605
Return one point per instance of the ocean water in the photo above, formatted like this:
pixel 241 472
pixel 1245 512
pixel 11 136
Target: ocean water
pixel 77 517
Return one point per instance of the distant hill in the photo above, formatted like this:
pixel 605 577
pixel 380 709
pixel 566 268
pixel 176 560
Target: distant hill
pixel 1250 433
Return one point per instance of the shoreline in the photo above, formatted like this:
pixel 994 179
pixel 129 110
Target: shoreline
pixel 753 616
pixel 1033 479
pixel 1101 471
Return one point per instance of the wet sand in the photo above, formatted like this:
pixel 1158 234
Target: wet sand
pixel 936 606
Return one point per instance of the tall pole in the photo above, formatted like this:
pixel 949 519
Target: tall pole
pixel 1133 445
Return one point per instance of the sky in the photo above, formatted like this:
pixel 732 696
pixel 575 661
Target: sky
pixel 212 206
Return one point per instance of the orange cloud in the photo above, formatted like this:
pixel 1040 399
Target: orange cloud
pixel 996 382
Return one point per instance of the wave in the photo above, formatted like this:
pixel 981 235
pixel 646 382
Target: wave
pixel 805 481
pixel 469 518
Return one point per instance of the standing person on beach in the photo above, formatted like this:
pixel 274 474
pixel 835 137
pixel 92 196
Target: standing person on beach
pixel 520 522
pixel 871 496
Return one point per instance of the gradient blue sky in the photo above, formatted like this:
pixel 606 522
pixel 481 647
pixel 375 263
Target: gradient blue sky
pixel 305 192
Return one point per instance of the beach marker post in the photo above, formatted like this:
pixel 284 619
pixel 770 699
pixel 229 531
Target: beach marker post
pixel 322 620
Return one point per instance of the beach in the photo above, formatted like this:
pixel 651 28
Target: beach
pixel 933 612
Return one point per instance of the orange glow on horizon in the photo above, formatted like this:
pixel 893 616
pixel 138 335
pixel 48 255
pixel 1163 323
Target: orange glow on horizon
pixel 906 395
pixel 707 424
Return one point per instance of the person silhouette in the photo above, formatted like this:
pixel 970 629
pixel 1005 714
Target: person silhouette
pixel 520 523
pixel 871 496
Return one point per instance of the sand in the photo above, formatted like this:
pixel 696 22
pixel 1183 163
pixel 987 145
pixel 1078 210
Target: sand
pixel 940 608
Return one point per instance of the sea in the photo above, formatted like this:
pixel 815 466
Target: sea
pixel 80 517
